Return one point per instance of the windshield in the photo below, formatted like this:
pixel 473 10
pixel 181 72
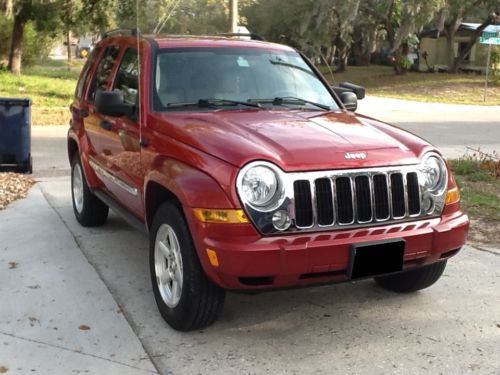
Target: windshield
pixel 225 76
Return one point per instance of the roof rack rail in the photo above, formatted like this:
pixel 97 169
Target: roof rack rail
pixel 121 32
pixel 252 36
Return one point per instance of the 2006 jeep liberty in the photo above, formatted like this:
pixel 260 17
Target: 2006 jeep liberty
pixel 249 172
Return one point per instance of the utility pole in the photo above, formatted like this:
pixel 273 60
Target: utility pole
pixel 233 16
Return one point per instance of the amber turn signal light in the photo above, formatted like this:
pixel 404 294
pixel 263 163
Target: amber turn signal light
pixel 206 215
pixel 212 257
pixel 453 196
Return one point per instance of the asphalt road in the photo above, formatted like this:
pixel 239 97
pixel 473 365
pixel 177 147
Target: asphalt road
pixel 351 328
pixel 452 128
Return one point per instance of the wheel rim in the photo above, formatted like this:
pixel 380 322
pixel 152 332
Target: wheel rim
pixel 78 188
pixel 168 265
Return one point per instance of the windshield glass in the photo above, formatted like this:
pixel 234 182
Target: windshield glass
pixel 188 75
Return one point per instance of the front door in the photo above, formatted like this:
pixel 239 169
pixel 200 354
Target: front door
pixel 93 121
pixel 120 150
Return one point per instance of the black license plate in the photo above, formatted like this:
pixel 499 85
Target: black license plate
pixel 376 258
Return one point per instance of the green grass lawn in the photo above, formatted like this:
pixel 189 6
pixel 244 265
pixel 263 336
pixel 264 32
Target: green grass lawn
pixel 50 87
pixel 480 197
pixel 480 191
pixel 426 87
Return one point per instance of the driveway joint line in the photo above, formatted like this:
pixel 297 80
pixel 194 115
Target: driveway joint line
pixel 115 298
pixel 483 249
pixel 72 350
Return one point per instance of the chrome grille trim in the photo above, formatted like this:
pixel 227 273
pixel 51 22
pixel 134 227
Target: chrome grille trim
pixel 314 201
pixel 332 176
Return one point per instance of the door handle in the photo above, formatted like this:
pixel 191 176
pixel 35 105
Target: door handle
pixel 106 125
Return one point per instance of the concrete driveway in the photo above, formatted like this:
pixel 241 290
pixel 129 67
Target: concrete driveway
pixel 351 328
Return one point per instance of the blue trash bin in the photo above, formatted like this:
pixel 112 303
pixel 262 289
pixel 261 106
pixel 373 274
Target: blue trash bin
pixel 15 135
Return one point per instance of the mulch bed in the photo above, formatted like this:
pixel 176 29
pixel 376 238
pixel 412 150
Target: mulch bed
pixel 13 186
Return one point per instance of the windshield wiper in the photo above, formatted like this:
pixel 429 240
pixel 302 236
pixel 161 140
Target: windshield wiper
pixel 205 103
pixel 210 102
pixel 275 62
pixel 291 100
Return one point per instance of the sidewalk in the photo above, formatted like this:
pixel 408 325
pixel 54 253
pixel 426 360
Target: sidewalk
pixel 56 314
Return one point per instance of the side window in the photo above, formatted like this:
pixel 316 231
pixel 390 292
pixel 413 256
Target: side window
pixel 103 72
pixel 85 72
pixel 127 78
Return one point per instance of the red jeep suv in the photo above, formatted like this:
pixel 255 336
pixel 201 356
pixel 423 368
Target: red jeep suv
pixel 249 172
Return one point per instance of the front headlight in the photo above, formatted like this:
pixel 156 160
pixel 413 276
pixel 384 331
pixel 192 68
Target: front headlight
pixel 259 185
pixel 434 183
pixel 435 173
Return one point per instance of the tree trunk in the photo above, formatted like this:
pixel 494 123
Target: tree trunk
pixel 68 41
pixel 492 19
pixel 450 51
pixel 362 54
pixel 451 29
pixel 7 8
pixel 16 45
pixel 398 67
pixel 343 52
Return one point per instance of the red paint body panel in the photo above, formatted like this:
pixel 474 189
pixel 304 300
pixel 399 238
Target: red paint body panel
pixel 286 138
pixel 294 259
pixel 196 156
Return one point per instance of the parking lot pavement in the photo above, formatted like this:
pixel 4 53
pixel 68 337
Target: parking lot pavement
pixel 351 328
pixel 56 315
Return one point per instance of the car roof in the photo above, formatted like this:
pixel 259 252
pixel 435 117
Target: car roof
pixel 173 41
pixel 188 41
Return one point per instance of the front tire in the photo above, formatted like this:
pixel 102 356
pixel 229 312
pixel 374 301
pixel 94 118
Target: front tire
pixel 186 298
pixel 412 280
pixel 89 210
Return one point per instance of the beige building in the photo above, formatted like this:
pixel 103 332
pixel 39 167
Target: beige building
pixel 437 52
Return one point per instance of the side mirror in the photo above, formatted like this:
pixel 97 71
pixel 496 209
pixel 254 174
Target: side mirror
pixel 350 101
pixel 110 103
pixel 358 90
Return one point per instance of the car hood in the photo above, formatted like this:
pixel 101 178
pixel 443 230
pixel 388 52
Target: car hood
pixel 294 140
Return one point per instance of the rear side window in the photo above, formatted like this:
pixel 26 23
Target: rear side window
pixel 127 78
pixel 104 70
pixel 85 72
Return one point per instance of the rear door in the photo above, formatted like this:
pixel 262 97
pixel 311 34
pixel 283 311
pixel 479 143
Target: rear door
pixel 80 107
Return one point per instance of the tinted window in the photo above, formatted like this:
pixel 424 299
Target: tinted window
pixel 85 72
pixel 127 78
pixel 104 70
pixel 244 74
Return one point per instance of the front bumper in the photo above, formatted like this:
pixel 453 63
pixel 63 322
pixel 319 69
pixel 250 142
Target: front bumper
pixel 250 261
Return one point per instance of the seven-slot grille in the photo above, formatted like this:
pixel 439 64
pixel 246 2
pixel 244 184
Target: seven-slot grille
pixel 356 199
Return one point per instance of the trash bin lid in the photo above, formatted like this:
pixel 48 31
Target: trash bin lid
pixel 15 101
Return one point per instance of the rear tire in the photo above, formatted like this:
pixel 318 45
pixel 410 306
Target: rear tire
pixel 186 298
pixel 412 280
pixel 89 210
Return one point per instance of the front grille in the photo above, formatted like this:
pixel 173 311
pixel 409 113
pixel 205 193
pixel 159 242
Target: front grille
pixel 303 203
pixel 356 198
